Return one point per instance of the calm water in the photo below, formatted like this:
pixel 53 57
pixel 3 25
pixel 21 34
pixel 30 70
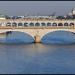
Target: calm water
pixel 38 58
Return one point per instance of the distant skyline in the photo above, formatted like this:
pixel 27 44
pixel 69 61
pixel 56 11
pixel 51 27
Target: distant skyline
pixel 22 8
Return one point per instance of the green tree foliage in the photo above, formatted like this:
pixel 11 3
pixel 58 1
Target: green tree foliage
pixel 60 17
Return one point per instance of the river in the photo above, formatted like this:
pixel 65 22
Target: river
pixel 40 58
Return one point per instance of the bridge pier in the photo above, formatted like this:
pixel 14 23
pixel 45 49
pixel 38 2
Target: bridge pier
pixel 37 39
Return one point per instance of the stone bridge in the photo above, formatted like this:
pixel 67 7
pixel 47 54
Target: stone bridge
pixel 37 29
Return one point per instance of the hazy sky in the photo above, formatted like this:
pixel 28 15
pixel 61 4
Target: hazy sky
pixel 36 7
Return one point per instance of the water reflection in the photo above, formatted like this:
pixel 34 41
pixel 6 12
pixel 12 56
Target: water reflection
pixel 37 58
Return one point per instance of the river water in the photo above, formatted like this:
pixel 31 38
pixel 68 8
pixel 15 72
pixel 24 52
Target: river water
pixel 40 58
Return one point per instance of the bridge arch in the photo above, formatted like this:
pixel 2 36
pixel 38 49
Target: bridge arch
pixel 8 24
pixel 54 30
pixel 25 32
pixel 37 32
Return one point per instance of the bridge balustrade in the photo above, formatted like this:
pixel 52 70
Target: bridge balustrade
pixel 8 24
pixel 0 24
pixel 54 24
pixel 37 24
pixel 14 24
pixel 60 24
pixel 31 24
pixel 26 24
pixel 20 24
pixel 71 24
pixel 43 24
pixel 66 24
pixel 48 24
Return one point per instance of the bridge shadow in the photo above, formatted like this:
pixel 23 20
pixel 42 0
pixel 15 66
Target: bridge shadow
pixel 16 37
pixel 59 37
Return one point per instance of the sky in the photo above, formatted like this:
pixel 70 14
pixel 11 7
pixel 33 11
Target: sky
pixel 22 8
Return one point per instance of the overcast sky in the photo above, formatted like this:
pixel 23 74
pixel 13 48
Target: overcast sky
pixel 36 7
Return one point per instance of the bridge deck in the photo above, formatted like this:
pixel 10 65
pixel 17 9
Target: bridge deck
pixel 41 27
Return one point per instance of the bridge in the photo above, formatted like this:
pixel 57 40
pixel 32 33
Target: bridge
pixel 36 28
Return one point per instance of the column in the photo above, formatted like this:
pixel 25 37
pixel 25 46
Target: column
pixel 37 39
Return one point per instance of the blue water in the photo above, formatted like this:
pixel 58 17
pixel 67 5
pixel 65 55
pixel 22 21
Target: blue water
pixel 42 58
pixel 59 37
pixel 16 38
pixel 37 59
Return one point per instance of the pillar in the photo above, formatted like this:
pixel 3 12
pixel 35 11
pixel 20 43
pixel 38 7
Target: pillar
pixel 37 39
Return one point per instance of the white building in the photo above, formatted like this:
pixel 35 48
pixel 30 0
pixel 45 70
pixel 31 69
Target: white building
pixel 73 11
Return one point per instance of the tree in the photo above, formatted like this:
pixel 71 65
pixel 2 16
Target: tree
pixel 60 17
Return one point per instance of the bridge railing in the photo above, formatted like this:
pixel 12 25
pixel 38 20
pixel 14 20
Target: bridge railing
pixel 38 27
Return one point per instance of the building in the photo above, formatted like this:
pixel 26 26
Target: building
pixel 2 16
pixel 73 11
